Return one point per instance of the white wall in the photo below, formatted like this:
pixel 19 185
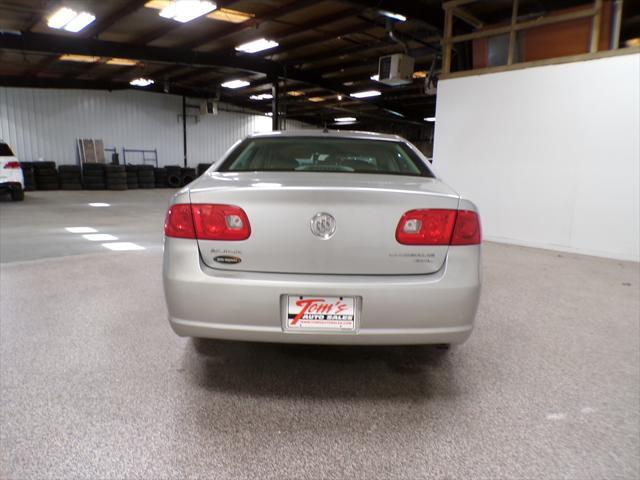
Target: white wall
pixel 551 155
pixel 46 123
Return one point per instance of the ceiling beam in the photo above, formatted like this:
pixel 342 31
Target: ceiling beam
pixel 254 22
pixel 102 24
pixel 412 9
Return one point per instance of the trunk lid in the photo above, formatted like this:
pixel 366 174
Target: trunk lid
pixel 280 207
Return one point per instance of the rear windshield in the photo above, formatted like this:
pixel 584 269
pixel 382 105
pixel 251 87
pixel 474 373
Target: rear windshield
pixel 5 151
pixel 313 154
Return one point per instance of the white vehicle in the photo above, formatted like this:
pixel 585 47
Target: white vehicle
pixel 11 178
pixel 322 237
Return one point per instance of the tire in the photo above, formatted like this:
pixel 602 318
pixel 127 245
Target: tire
pixel 93 166
pixel 117 187
pixel 48 186
pixel 115 169
pixel 45 172
pixel 202 167
pixel 69 169
pixel 174 181
pixel 70 186
pixel 17 194
pixel 122 177
pixel 187 179
pixel 45 165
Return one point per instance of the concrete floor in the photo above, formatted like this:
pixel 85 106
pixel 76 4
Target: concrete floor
pixel 94 384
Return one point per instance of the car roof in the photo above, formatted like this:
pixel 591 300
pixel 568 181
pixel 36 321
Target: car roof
pixel 329 134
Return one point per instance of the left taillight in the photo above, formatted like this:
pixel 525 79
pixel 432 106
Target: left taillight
pixel 12 165
pixel 179 222
pixel 207 222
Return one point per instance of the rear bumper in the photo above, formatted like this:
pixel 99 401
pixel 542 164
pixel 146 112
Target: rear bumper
pixel 395 310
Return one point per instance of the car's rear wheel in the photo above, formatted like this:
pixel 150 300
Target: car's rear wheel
pixel 17 194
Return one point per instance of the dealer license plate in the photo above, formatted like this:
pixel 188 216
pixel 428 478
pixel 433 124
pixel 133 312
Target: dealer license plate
pixel 317 312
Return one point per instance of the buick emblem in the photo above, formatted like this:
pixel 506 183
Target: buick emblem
pixel 323 225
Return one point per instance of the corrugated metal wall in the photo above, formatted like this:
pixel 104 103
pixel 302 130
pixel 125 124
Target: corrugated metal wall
pixel 45 123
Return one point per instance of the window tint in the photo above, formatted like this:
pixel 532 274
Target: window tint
pixel 313 154
pixel 5 151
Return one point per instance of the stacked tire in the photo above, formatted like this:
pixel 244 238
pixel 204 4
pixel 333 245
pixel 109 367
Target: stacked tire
pixel 188 175
pixel 93 176
pixel 160 177
pixel 29 176
pixel 132 177
pixel 116 177
pixel 46 175
pixel 202 167
pixel 146 177
pixel 174 176
pixel 69 176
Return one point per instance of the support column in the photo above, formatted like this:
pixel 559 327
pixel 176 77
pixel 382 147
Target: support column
pixel 184 129
pixel 275 107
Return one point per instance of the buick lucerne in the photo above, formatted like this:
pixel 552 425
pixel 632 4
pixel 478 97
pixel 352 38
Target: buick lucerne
pixel 323 238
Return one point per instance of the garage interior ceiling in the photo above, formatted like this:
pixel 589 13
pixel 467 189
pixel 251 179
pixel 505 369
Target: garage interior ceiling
pixel 327 50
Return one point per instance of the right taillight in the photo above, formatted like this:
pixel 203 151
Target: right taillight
pixel 207 222
pixel 12 164
pixel 439 227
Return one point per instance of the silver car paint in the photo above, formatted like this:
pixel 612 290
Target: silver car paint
pixel 402 301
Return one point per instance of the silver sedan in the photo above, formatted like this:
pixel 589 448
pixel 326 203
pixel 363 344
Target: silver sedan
pixel 325 238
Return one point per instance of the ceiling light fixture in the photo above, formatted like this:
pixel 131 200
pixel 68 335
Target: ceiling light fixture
pixel 339 97
pixel 295 93
pixel 80 22
pixel 395 16
pixel 261 96
pixel 141 82
pixel 184 11
pixel 420 74
pixel 122 61
pixel 70 20
pixel 232 16
pixel 375 77
pixel 257 46
pixel 268 114
pixel 344 119
pixel 235 84
pixel 366 94
pixel 316 99
pixel 429 119
pixel 67 57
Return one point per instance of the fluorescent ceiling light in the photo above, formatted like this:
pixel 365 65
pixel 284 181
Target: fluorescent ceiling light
pixel 78 58
pixel 257 46
pixel 121 61
pixel 420 74
pixel 398 114
pixel 366 93
pixel 235 84
pixel 295 93
pixel 375 77
pixel 186 10
pixel 228 15
pixel 429 119
pixel 81 21
pixel 122 246
pixel 80 230
pixel 339 97
pixel 99 237
pixel 141 82
pixel 316 99
pixel 395 16
pixel 345 119
pixel 61 17
pixel 261 96
pixel 223 14
pixel 99 204
pixel 269 114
